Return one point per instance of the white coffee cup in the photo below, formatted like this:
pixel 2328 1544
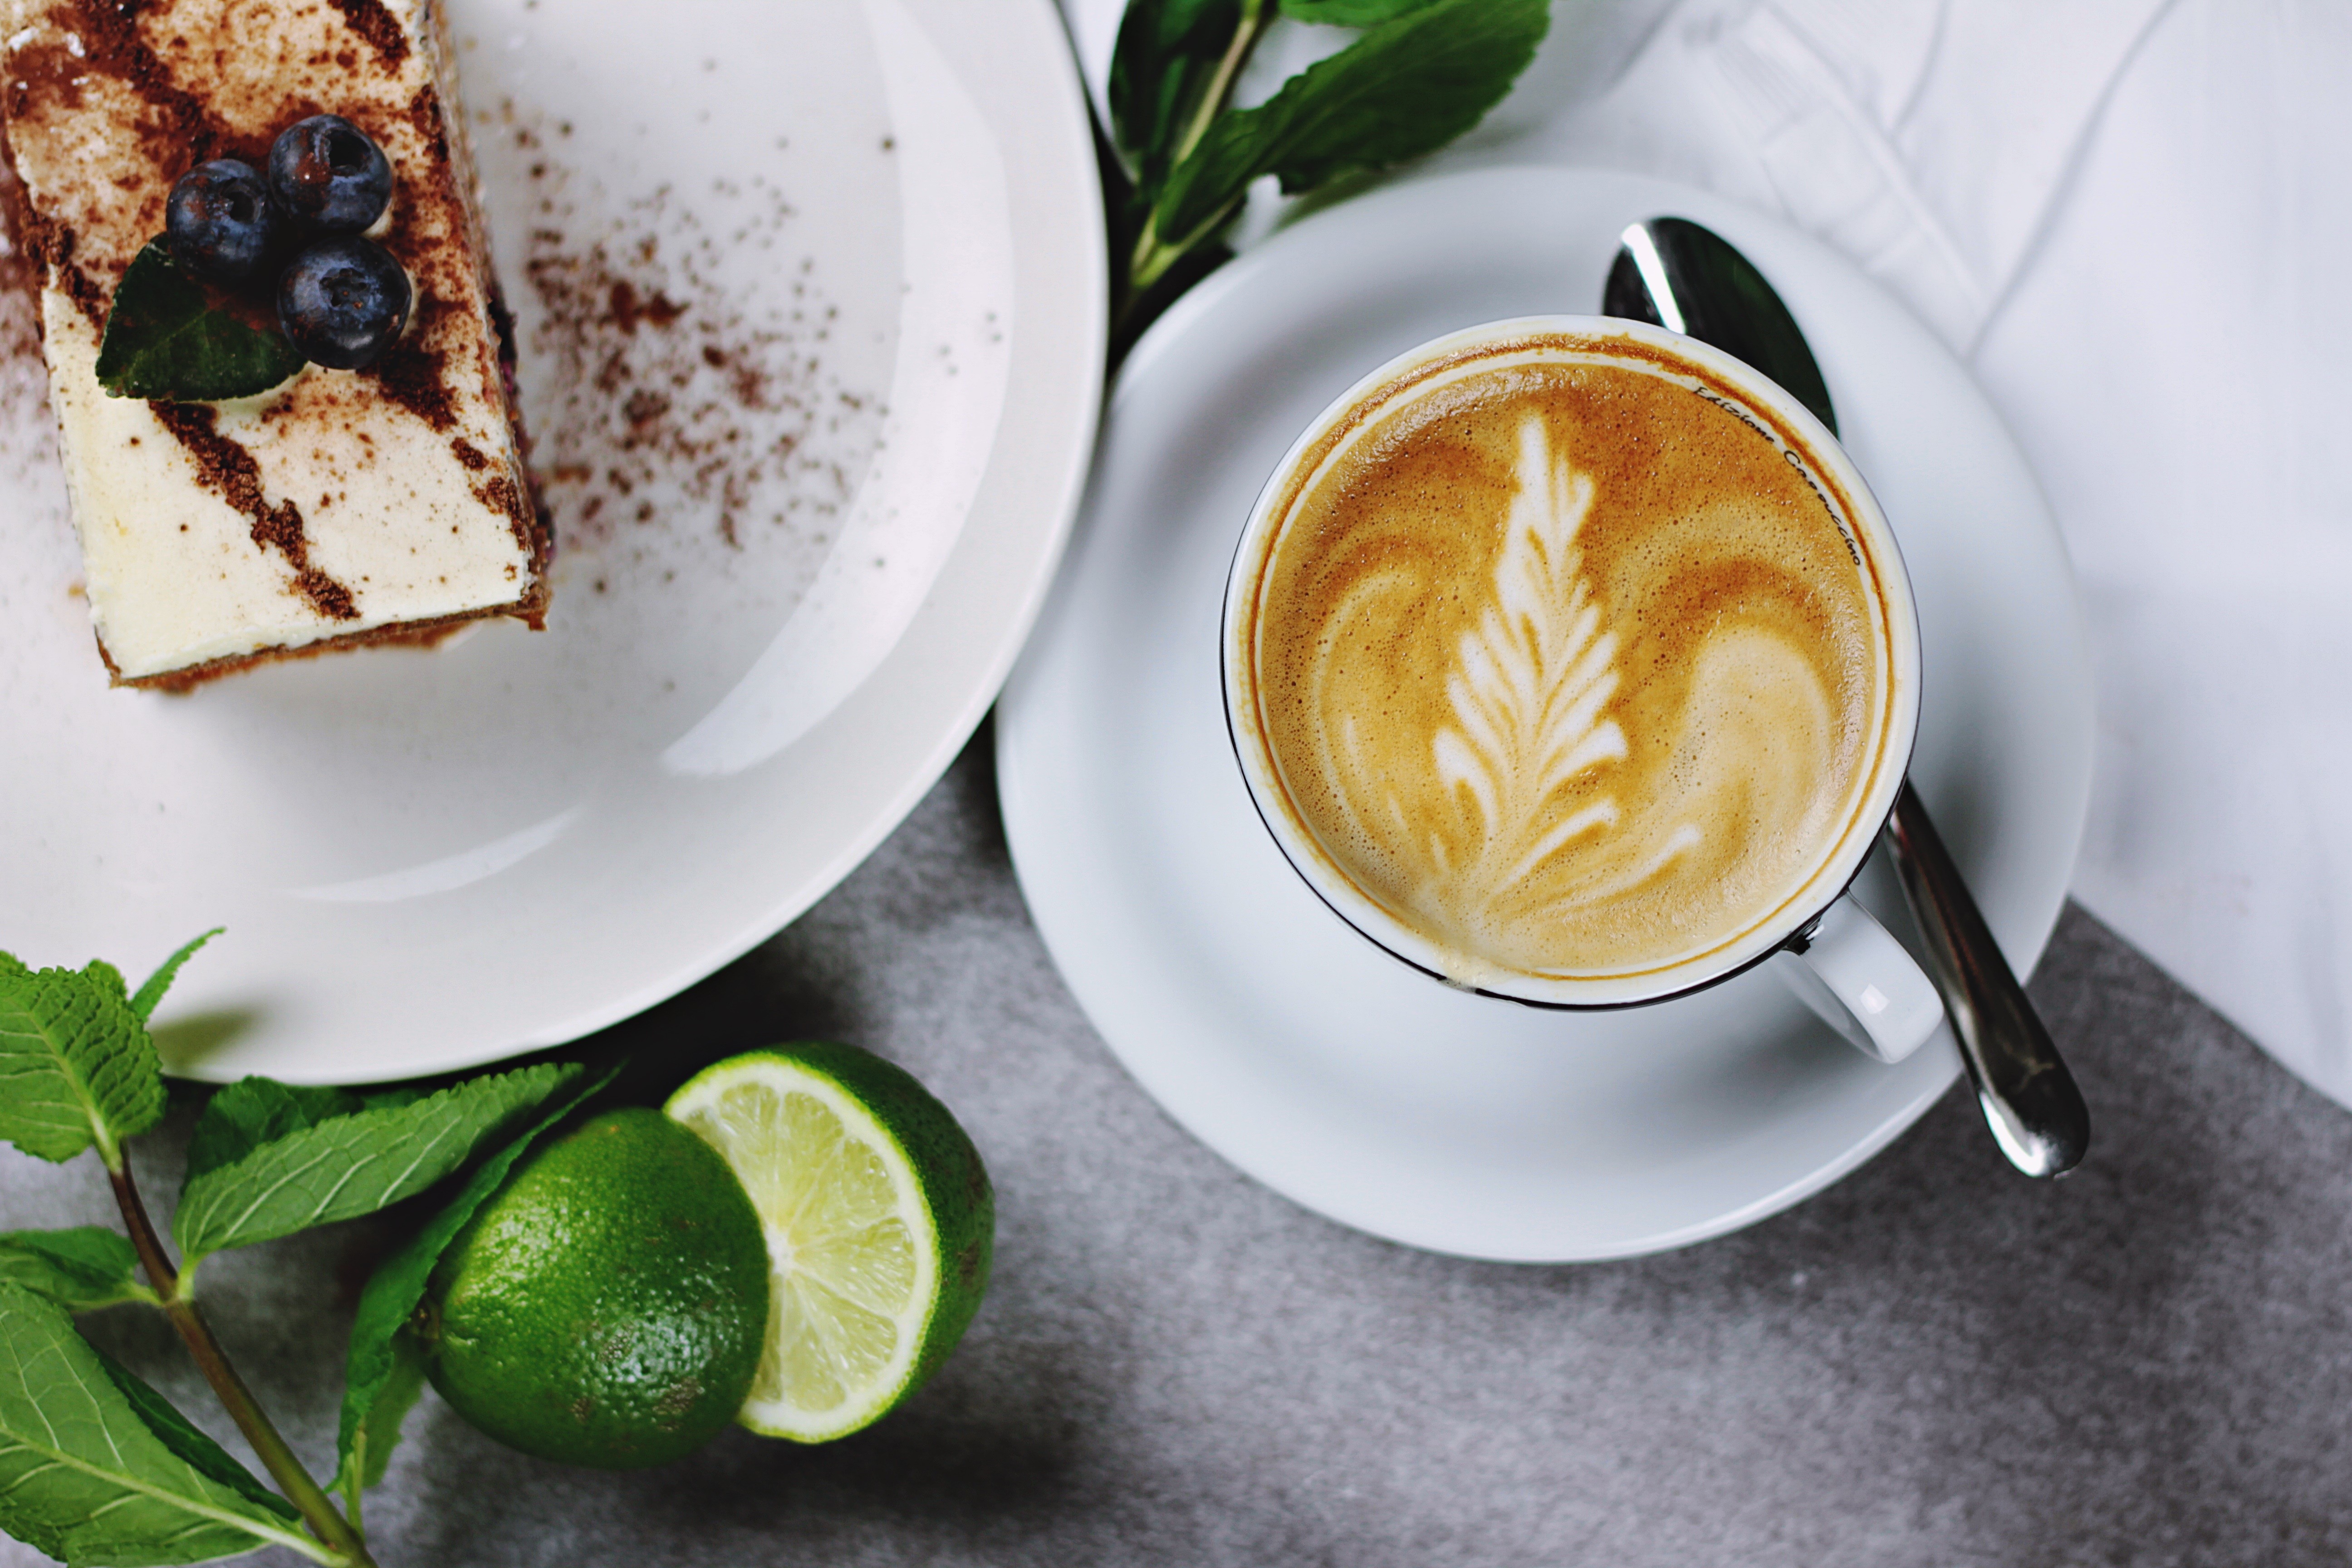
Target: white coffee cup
pixel 1823 943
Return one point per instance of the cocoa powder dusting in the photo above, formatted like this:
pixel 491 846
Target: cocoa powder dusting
pixel 425 113
pixel 370 21
pixel 184 130
pixel 669 385
pixel 40 243
pixel 19 266
pixel 51 68
pixel 624 307
pixel 177 128
pixel 230 471
pixel 415 374
pixel 27 439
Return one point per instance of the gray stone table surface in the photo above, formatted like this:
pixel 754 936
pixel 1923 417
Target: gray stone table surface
pixel 1934 1362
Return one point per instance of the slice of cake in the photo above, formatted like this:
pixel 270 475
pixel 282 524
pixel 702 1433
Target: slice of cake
pixel 341 507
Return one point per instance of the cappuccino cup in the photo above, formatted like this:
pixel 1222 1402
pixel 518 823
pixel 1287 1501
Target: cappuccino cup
pixel 1571 661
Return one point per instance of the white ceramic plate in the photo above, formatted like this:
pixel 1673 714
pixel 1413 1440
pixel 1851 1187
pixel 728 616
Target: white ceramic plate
pixel 1287 1043
pixel 859 241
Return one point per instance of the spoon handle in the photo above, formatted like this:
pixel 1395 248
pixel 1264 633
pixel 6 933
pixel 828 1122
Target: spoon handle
pixel 2029 1098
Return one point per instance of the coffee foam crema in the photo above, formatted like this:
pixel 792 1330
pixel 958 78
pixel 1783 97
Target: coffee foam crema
pixel 1568 659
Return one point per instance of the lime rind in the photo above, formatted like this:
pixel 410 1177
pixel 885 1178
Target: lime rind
pixel 866 1298
pixel 608 1306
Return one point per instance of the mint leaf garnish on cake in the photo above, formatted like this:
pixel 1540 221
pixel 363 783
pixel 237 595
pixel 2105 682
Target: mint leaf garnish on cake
pixel 341 301
pixel 167 341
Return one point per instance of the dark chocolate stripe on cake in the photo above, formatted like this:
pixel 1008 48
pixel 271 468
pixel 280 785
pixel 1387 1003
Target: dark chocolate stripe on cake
pixel 188 131
pixel 379 26
pixel 229 470
pixel 41 243
pixel 415 374
pixel 425 113
pixel 184 130
pixel 36 243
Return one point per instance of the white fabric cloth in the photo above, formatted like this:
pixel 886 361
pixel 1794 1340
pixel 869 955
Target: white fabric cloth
pixel 2134 219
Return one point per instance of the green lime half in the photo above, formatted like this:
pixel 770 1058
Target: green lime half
pixel 880 1225
pixel 608 1306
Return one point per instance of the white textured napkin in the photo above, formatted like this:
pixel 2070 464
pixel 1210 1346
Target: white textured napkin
pixel 2133 217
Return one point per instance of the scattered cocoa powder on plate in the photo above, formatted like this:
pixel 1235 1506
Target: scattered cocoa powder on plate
pixel 663 393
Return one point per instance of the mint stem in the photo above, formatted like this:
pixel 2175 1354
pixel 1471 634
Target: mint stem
pixel 1256 15
pixel 278 1459
pixel 1153 256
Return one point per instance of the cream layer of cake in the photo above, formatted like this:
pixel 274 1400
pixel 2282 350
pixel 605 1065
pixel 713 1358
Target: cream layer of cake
pixel 343 506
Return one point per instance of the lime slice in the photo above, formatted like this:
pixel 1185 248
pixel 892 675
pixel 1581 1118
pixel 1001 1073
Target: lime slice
pixel 880 1223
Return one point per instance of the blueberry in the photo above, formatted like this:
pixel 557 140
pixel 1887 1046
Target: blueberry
pixel 220 220
pixel 342 302
pixel 329 176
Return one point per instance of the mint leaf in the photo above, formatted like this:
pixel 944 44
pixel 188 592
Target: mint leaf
pixel 164 340
pixel 338 1166
pixel 96 1467
pixel 200 1453
pixel 80 1270
pixel 1349 13
pixel 1405 87
pixel 373 1401
pixel 76 1064
pixel 151 991
pixel 366 1451
pixel 254 1111
pixel 1164 64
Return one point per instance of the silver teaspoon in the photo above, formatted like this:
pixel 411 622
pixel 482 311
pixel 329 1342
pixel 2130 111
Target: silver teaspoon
pixel 1675 274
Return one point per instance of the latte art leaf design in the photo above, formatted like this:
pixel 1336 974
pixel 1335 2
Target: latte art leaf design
pixel 1567 671
pixel 1531 683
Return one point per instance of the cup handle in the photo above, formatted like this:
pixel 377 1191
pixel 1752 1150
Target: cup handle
pixel 1862 983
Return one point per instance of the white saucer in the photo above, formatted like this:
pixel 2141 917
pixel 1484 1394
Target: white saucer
pixel 879 223
pixel 1284 1041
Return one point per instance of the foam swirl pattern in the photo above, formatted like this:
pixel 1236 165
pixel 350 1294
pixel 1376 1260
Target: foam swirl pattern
pixel 1567 666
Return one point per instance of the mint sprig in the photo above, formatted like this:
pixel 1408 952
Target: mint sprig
pixel 95 1465
pixel 165 340
pixel 1422 72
